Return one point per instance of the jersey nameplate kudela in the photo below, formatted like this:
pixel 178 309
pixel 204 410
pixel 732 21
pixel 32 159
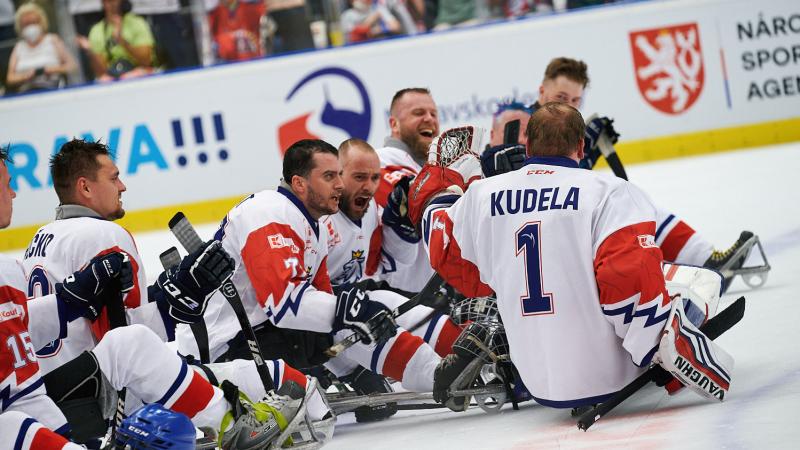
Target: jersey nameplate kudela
pixel 528 200
pixel 668 65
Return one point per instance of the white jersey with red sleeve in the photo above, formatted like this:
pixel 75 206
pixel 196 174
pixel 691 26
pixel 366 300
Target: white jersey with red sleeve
pixel 395 164
pixel 361 249
pixel 281 271
pixel 571 257
pixel 65 246
pixel 21 385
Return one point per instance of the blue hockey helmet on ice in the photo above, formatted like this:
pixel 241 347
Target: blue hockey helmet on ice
pixel 155 427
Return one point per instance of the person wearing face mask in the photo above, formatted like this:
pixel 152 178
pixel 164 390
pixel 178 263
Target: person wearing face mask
pixel 39 60
pixel 368 19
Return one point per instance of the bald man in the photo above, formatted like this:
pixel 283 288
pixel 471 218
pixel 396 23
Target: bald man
pixel 356 242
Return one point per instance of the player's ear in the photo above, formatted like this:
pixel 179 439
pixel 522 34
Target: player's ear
pixel 298 184
pixel 580 150
pixel 394 125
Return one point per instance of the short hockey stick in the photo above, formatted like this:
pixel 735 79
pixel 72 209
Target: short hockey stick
pixel 190 240
pixel 712 329
pixel 434 284
pixel 171 258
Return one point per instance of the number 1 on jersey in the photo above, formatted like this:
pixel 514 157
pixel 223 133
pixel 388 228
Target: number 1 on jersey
pixel 535 301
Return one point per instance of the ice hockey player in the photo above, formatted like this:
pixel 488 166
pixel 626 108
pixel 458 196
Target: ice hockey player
pixel 554 242
pixel 565 80
pixel 89 189
pixel 357 239
pixel 132 356
pixel 281 254
pixel 29 419
pixel 414 121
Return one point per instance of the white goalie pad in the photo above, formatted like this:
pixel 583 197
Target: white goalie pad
pixel 702 287
pixel 692 357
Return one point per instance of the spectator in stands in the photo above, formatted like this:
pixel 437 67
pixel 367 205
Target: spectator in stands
pixel 39 60
pixel 85 13
pixel 121 45
pixel 368 19
pixel 175 45
pixel 456 12
pixel 7 36
pixel 294 31
pixel 234 26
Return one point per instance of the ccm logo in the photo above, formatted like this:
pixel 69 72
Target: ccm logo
pixel 541 172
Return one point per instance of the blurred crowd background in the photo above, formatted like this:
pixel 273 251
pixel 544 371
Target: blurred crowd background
pixel 49 44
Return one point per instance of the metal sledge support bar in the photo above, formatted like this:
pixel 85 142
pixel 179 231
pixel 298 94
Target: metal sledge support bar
pixel 754 276
pixel 349 403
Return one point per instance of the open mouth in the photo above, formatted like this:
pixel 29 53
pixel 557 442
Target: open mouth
pixel 426 133
pixel 361 201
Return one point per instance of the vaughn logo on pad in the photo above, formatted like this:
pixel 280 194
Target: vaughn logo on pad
pixel 668 65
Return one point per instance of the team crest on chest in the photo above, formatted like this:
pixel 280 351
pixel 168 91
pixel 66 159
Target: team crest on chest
pixel 352 270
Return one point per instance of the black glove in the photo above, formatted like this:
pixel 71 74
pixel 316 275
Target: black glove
pixel 594 129
pixel 183 291
pixel 84 293
pixel 370 319
pixel 395 214
pixel 502 158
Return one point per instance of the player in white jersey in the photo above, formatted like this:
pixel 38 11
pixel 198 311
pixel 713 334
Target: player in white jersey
pixel 414 121
pixel 281 253
pixel 571 257
pixel 357 240
pixel 359 216
pixel 27 416
pixel 565 80
pixel 131 357
pixel 87 183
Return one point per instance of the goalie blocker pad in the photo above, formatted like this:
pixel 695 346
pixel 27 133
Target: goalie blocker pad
pixel 692 357
pixel 431 181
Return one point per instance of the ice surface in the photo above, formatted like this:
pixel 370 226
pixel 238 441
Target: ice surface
pixel 719 196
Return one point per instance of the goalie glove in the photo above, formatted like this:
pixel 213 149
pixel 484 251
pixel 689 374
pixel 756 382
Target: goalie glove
pixel 502 158
pixel 595 128
pixel 691 357
pixel 453 164
pixel 183 291
pixel 395 214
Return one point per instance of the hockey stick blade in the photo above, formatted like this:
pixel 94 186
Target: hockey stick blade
pixel 612 158
pixel 433 284
pixel 713 328
pixel 170 258
pixel 191 241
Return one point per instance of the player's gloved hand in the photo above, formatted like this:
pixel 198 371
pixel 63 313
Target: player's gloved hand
pixel 502 158
pixel 370 319
pixel 84 293
pixel 395 214
pixel 183 291
pixel 595 127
